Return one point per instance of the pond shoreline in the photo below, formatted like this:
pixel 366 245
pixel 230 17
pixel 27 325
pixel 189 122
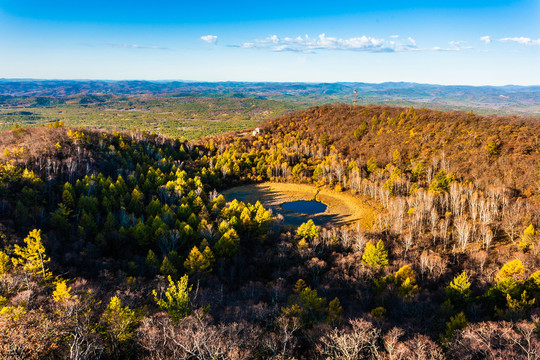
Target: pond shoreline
pixel 342 207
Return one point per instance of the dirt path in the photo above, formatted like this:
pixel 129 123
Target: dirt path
pixel 343 207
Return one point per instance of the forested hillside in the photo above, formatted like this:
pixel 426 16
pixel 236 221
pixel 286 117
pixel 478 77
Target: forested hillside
pixel 119 245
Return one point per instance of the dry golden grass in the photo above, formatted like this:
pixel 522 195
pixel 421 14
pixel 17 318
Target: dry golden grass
pixel 343 207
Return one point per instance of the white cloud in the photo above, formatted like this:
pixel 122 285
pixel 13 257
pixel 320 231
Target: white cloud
pixel 211 39
pixel 306 44
pixel 522 40
pixel 486 39
pixel 135 46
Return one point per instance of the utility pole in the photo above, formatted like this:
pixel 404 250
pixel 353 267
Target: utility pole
pixel 354 100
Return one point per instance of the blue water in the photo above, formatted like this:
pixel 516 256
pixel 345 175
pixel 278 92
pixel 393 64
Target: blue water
pixel 305 207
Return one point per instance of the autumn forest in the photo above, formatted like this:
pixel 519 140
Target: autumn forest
pixel 119 244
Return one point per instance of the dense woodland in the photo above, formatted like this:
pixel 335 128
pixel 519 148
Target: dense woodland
pixel 118 245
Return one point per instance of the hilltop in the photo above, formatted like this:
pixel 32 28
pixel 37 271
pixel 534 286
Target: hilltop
pixel 120 244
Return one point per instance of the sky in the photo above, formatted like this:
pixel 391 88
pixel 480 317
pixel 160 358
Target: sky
pixel 437 42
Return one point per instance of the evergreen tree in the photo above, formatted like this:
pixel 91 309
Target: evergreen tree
pixel 198 262
pixel 62 292
pixel 33 256
pixel 375 256
pixel 176 300
pixel 459 289
pixel 167 268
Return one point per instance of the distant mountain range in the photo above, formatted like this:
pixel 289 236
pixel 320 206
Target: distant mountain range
pixel 508 99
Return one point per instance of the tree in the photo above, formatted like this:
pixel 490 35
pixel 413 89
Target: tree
pixel 459 289
pixel 307 230
pixel 456 323
pixel 406 282
pixel 168 268
pixel 176 301
pixel 371 165
pixel 198 262
pixel 120 322
pixel 33 257
pixel 151 261
pixel 324 140
pixel 227 245
pixel 526 242
pixel 335 312
pixel 62 292
pixel 375 257
pixel 441 182
pixel 510 270
pixel 306 305
pixel 361 131
pixel 5 263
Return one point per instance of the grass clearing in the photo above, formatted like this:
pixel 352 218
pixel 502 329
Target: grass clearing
pixel 343 207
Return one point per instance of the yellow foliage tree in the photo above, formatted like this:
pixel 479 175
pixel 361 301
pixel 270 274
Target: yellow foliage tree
pixel 62 292
pixel 198 262
pixel 5 263
pixel 509 270
pixel 32 257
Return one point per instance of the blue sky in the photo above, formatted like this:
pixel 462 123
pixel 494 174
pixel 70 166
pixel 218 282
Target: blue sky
pixel 443 42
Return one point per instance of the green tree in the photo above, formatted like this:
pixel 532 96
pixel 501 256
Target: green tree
pixel 120 323
pixel 371 165
pixel 167 268
pixel 176 300
pixel 375 256
pixel 335 312
pixel 361 131
pixel 306 305
pixel 456 322
pixel 198 262
pixel 5 263
pixel 324 140
pixel 441 182
pixel 307 230
pixel 459 291
pixel 227 245
pixel 151 261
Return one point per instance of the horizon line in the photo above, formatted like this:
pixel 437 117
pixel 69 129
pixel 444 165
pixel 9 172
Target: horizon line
pixel 255 82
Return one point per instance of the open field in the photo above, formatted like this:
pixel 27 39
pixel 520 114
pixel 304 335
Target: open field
pixel 183 117
pixel 343 207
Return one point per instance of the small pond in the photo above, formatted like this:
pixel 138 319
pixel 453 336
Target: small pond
pixel 305 207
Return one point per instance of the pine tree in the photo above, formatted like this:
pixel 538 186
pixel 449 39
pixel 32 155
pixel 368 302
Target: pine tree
pixel 371 165
pixel 324 140
pixel 526 242
pixel 5 263
pixel 32 256
pixel 151 261
pixel 62 292
pixel 307 230
pixel 456 322
pixel 335 311
pixel 198 262
pixel 120 323
pixel 176 301
pixel 167 268
pixel 510 270
pixel 227 245
pixel 459 289
pixel 375 257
